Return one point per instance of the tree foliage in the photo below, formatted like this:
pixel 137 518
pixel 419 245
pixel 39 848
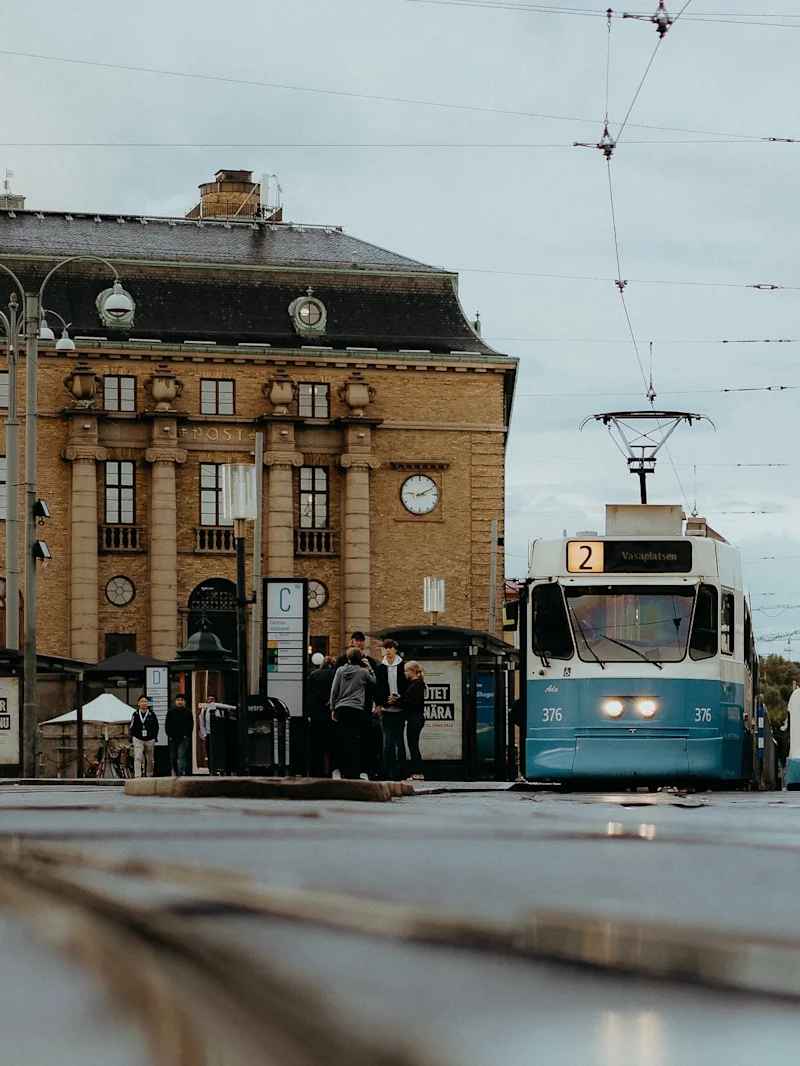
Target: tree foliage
pixel 778 678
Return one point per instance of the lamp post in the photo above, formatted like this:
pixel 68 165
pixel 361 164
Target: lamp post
pixel 12 479
pixel 117 304
pixel 239 504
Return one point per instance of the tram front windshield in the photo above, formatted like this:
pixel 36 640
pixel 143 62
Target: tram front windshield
pixel 623 623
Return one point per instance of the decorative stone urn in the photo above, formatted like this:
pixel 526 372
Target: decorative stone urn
pixel 357 394
pixel 280 392
pixel 164 387
pixel 82 383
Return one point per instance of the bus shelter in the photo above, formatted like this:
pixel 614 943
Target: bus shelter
pixel 469 689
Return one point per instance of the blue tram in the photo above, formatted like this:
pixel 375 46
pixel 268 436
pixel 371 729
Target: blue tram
pixel 639 659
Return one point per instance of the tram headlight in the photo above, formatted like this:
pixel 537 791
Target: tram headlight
pixel 613 708
pixel 647 708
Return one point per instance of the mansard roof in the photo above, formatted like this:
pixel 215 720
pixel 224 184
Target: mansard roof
pixel 232 282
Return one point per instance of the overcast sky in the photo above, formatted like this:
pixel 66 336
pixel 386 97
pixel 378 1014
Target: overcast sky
pixel 719 212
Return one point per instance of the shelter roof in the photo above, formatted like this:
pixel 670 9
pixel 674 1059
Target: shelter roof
pixel 124 664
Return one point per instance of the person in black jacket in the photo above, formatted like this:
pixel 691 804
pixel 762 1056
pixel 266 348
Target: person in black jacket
pixel 179 725
pixel 144 732
pixel 390 686
pixel 319 716
pixel 414 702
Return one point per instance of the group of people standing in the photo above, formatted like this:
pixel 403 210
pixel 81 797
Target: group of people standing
pixel 364 712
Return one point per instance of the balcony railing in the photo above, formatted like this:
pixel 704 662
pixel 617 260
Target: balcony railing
pixel 121 538
pixel 315 542
pixel 214 539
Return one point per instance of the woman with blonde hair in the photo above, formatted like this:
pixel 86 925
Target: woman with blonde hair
pixel 414 705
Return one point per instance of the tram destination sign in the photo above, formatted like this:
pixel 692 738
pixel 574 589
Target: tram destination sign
pixel 629 556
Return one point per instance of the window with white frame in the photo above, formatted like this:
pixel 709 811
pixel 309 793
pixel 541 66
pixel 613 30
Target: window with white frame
pixel 211 496
pixel 3 487
pixel 120 493
pixel 313 497
pixel 119 393
pixel 216 397
pixel 313 399
pixel 4 389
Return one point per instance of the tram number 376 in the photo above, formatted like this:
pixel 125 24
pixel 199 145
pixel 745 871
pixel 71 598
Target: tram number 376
pixel 702 714
pixel 551 714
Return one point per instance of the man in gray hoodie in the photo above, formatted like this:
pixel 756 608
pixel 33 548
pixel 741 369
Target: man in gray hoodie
pixel 352 687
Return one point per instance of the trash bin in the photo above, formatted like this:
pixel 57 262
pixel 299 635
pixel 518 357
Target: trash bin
pixel 224 741
pixel 281 735
pixel 260 739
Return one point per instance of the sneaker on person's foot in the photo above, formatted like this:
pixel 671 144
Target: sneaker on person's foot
pixel 363 777
pixel 336 775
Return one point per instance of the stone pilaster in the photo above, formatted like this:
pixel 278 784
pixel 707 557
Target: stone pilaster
pixel 163 549
pixel 84 634
pixel 356 550
pixel 281 459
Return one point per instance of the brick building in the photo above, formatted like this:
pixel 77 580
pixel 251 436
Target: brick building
pixel 384 414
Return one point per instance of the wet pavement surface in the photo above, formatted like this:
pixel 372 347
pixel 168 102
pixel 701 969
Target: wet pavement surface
pixel 702 866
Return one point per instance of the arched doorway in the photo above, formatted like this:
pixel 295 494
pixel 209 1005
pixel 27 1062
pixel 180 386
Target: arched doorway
pixel 212 606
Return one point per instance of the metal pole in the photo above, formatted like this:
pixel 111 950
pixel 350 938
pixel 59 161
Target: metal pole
pixel 255 621
pixel 643 486
pixel 493 579
pixel 241 641
pixel 12 486
pixel 79 722
pixel 29 707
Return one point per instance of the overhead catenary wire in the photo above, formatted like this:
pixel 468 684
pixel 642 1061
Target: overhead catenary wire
pixel 372 97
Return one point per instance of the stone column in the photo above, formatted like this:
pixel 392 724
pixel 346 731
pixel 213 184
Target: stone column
pixel 84 635
pixel 356 550
pixel 163 550
pixel 281 459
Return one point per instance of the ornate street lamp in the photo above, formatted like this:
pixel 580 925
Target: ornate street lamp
pixel 239 505
pixel 36 327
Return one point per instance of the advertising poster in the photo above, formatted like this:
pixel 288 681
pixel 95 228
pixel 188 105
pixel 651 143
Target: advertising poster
pixel 285 642
pixel 485 719
pixel 442 736
pixel 157 689
pixel 9 721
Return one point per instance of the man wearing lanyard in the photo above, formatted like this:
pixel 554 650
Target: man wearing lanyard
pixel 144 731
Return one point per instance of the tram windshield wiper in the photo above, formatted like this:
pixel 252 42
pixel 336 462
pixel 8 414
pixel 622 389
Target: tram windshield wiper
pixel 586 643
pixel 630 647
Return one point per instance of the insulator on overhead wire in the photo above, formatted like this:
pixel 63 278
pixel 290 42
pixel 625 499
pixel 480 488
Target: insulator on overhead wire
pixel 661 19
pixel 606 144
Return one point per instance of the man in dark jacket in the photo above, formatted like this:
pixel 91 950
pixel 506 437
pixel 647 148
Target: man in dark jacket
pixel 390 686
pixel 144 732
pixel 179 725
pixel 370 737
pixel 319 715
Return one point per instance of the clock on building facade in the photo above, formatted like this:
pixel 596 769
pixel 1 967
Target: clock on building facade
pixel 419 494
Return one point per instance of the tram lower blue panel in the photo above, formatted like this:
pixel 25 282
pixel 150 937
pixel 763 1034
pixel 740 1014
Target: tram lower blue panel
pixel 698 730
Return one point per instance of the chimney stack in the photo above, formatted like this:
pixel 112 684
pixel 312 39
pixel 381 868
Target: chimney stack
pixel 232 194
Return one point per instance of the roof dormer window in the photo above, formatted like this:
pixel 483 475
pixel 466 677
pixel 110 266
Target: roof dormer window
pixel 309 315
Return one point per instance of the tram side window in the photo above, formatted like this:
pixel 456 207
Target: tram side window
pixel 727 629
pixel 552 637
pixel 704 630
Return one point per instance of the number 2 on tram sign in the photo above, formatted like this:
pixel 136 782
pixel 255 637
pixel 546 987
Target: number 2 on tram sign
pixel 585 557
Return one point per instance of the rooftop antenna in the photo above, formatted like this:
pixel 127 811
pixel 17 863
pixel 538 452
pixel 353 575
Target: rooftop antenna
pixel 641 445
pixel 271 198
pixel 7 181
